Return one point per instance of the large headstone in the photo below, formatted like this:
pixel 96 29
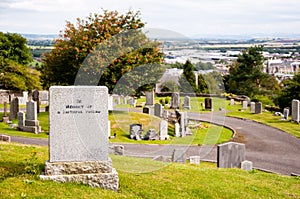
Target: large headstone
pixel 150 98
pixel 258 108
pixel 78 142
pixel 245 105
pixel 179 155
pixel 36 98
pixel 163 130
pixel 187 102
pixel 14 109
pixel 175 100
pixel 31 110
pixel 158 110
pixel 230 155
pixel 208 104
pixel 296 111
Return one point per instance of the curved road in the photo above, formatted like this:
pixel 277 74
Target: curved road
pixel 268 148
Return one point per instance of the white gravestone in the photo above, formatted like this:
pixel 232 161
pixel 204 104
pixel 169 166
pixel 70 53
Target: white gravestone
pixel 296 111
pixel 247 165
pixel 163 130
pixel 245 105
pixel 252 107
pixel 186 102
pixel 231 102
pixel 78 141
pixel 195 159
pixel 177 130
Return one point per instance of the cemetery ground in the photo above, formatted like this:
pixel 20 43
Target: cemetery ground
pixel 20 166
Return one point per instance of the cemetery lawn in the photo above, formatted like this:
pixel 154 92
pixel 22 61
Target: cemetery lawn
pixel 21 165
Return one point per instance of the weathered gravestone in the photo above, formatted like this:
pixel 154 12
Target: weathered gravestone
pixel 150 98
pixel 208 104
pixel 177 130
pixel 136 131
pixel 31 122
pixel 295 111
pixel 151 135
pixel 78 143
pixel 21 120
pixel 14 109
pixel 36 98
pixel 163 130
pixel 179 155
pixel 146 110
pixel 258 108
pixel 45 97
pixel 158 110
pixel 195 159
pixel 286 112
pixel 5 118
pixel 231 102
pixel 230 155
pixel 175 100
pixel 186 102
pixel 245 105
pixel 252 107
pixel 247 165
pixel 5 138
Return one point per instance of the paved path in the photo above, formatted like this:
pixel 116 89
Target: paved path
pixel 268 148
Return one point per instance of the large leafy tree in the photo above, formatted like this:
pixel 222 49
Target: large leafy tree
pixel 106 45
pixel 246 74
pixel 291 91
pixel 187 81
pixel 14 57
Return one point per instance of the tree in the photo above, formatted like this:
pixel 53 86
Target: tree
pixel 246 74
pixel 187 80
pixel 99 46
pixel 14 57
pixel 291 91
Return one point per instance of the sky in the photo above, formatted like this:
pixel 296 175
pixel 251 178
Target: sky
pixel 187 17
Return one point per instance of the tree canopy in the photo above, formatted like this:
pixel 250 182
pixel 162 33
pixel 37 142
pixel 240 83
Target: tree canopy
pixel 14 57
pixel 106 45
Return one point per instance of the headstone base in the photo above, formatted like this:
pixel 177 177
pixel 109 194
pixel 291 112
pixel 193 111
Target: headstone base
pixel 93 173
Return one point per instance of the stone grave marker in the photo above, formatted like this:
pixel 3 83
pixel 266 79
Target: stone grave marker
pixel 149 98
pixel 231 102
pixel 208 104
pixel 5 118
pixel 21 120
pixel 36 98
pixel 78 143
pixel 5 138
pixel 45 97
pixel 14 109
pixel 258 108
pixel 252 107
pixel 245 105
pixel 31 122
pixel 151 135
pixel 175 100
pixel 179 155
pixel 136 131
pixel 247 165
pixel 146 110
pixel 286 112
pixel 110 103
pixel 187 102
pixel 163 130
pixel 158 110
pixel 195 159
pixel 296 111
pixel 230 155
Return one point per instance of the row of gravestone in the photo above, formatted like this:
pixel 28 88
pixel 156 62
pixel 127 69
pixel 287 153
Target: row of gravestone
pixel 136 132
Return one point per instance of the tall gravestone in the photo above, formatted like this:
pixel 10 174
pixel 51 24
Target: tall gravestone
pixel 158 110
pixel 208 104
pixel 21 120
pixel 252 107
pixel 187 102
pixel 163 130
pixel 14 109
pixel 245 105
pixel 31 122
pixel 175 100
pixel 258 108
pixel 150 98
pixel 36 98
pixel 78 142
pixel 296 111
pixel 5 118
pixel 183 124
pixel 286 112
pixel 176 130
pixel 230 155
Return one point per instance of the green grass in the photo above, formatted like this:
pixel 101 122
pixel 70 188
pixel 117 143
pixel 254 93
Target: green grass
pixel 20 166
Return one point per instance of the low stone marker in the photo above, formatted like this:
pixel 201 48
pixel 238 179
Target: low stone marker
pixel 230 155
pixel 146 110
pixel 208 104
pixel 296 111
pixel 136 131
pixel 187 102
pixel 231 102
pixel 179 156
pixel 247 165
pixel 78 143
pixel 195 160
pixel 5 138
pixel 175 100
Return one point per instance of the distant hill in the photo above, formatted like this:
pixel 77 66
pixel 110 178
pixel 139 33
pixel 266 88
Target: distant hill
pixel 40 36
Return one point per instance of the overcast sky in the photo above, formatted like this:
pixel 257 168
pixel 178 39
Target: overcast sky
pixel 188 17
